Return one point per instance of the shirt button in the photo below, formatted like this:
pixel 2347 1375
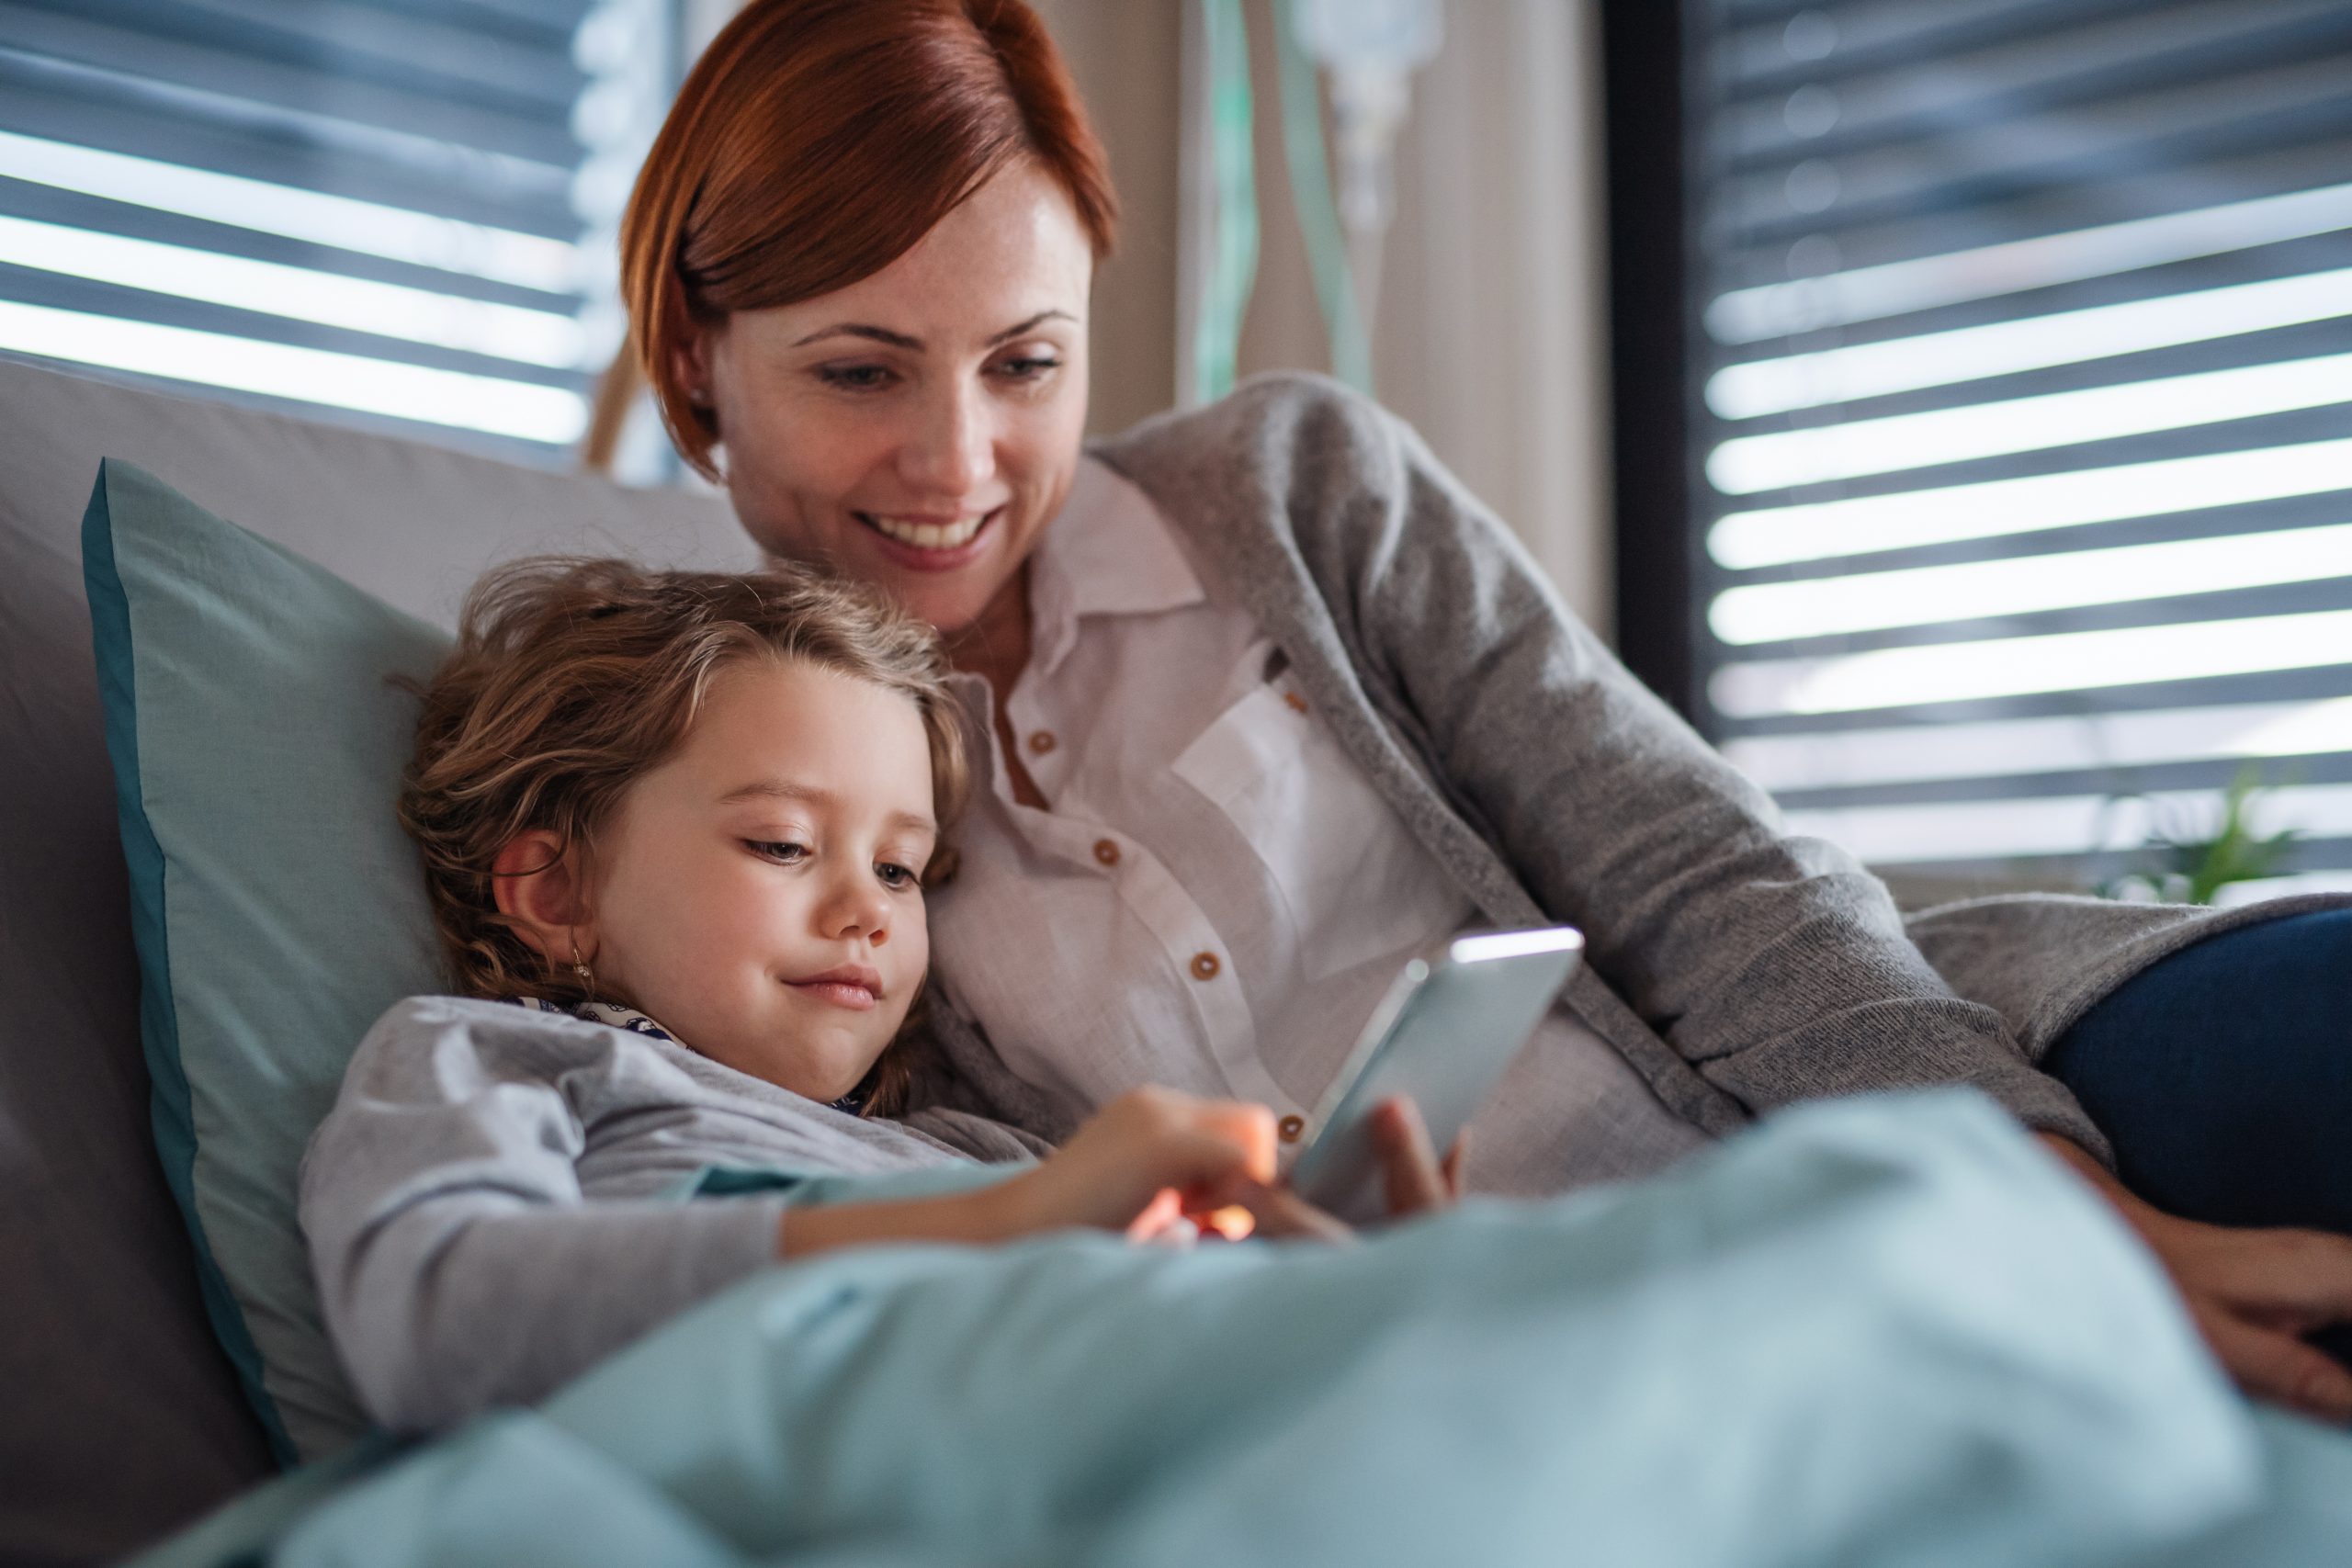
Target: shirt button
pixel 1042 741
pixel 1204 967
pixel 1290 1127
pixel 1106 851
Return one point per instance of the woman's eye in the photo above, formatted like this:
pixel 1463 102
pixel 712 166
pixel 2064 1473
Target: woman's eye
pixel 855 377
pixel 896 877
pixel 1028 368
pixel 778 849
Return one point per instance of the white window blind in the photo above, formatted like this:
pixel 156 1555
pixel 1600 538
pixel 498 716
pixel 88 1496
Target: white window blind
pixel 367 209
pixel 2025 418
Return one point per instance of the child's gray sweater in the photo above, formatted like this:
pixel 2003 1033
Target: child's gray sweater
pixel 496 1201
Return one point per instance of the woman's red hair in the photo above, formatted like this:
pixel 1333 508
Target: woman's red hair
pixel 814 142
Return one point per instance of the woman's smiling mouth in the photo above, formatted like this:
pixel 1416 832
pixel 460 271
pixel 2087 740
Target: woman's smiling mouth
pixel 930 543
pixel 927 534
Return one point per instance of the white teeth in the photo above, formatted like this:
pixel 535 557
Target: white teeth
pixel 929 536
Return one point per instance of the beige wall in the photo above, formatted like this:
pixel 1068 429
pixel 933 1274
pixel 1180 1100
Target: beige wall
pixel 1492 337
pixel 1124 54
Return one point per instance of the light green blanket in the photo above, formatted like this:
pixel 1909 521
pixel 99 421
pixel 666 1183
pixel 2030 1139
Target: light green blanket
pixel 1885 1332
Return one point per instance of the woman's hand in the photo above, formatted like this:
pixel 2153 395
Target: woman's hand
pixel 2253 1293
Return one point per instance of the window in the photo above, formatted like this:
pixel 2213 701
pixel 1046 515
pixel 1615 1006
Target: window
pixel 392 213
pixel 2017 421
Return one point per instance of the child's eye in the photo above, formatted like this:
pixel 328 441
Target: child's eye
pixel 777 850
pixel 896 877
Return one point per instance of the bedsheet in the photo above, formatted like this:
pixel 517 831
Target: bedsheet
pixel 1889 1331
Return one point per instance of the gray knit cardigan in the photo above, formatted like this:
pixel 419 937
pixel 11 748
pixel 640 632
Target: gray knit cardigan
pixel 1736 967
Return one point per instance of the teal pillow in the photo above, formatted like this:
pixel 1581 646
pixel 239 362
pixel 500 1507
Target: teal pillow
pixel 257 738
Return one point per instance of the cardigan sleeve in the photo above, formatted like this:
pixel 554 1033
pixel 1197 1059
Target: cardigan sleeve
pixel 1773 963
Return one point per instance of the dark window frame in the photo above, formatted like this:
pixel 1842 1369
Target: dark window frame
pixel 1657 571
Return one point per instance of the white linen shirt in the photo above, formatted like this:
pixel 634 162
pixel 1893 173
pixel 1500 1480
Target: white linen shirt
pixel 1216 896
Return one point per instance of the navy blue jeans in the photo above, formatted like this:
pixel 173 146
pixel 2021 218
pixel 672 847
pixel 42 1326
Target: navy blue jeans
pixel 2224 1075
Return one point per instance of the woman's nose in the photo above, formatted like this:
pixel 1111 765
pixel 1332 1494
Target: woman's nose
pixel 953 453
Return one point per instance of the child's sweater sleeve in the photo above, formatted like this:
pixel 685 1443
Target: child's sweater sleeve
pixel 459 1265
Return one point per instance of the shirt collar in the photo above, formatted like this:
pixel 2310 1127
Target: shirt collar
pixel 1109 552
pixel 615 1016
pixel 609 1014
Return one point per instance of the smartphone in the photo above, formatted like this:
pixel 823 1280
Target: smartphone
pixel 1441 1036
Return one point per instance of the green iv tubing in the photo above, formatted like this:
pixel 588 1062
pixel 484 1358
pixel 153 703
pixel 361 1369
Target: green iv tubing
pixel 1233 266
pixel 1233 263
pixel 1319 216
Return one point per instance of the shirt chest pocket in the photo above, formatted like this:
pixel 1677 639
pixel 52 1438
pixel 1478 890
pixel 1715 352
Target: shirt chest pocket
pixel 1356 883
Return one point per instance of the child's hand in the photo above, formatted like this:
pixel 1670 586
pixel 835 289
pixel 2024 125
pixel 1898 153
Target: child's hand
pixel 1155 1162
pixel 1155 1159
pixel 1149 1159
pixel 1416 1180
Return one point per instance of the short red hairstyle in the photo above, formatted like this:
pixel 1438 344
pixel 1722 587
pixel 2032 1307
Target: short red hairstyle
pixel 816 141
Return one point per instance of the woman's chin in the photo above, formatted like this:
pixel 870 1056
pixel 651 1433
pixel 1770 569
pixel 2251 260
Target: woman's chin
pixel 946 588
pixel 951 609
pixel 957 606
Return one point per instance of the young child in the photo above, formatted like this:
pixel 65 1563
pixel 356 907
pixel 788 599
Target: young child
pixel 685 820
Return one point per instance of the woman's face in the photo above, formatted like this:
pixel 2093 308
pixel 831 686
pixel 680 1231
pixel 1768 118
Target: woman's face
pixel 918 428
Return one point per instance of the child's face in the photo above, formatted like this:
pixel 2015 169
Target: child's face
pixel 756 894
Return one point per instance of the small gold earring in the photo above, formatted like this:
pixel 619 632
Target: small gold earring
pixel 580 968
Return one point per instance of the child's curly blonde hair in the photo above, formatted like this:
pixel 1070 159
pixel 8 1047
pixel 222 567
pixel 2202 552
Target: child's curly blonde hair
pixel 571 679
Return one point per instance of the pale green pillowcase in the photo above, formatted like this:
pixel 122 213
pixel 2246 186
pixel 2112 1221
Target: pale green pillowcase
pixel 258 737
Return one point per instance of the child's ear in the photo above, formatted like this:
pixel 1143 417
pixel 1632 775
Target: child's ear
pixel 536 882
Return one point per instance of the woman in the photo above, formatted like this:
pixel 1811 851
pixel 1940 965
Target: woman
pixel 1265 700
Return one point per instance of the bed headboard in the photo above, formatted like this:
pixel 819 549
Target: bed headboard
pixel 123 1421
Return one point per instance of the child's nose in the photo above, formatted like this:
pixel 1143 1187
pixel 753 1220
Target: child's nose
pixel 858 911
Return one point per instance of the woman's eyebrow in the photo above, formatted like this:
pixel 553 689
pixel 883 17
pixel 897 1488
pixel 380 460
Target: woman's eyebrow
pixel 879 334
pixel 776 789
pixel 900 340
pixel 1040 318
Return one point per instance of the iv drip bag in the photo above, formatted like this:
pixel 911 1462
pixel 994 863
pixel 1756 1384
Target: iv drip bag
pixel 1371 48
